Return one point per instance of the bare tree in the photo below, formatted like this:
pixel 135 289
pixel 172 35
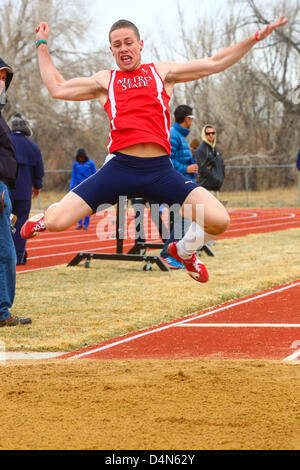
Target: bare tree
pixel 59 127
pixel 253 103
pixel 277 71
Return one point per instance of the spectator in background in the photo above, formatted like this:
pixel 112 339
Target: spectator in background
pixel 211 166
pixel 8 176
pixel 83 167
pixel 183 161
pixel 194 144
pixel 29 181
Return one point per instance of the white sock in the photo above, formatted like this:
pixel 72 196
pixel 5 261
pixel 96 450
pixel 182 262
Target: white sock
pixel 194 238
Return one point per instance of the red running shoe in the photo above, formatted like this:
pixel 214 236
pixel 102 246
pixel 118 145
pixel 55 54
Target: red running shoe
pixel 193 265
pixel 33 226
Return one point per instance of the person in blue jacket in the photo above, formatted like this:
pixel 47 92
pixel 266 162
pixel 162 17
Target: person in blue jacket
pixel 183 161
pixel 83 167
pixel 29 181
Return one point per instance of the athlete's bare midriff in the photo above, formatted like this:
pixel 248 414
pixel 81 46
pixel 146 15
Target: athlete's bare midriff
pixel 144 150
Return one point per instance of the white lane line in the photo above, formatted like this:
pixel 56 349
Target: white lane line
pixel 78 240
pixel 254 227
pixel 244 325
pixel 293 357
pixel 79 243
pixel 74 243
pixel 21 356
pixel 130 235
pixel 88 250
pixel 244 217
pixel 165 327
pixel 59 254
pixel 56 255
pixel 271 220
pixel 40 269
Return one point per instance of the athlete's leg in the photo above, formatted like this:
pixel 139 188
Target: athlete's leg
pixel 81 202
pixel 201 202
pixel 67 212
pixel 57 217
pixel 210 218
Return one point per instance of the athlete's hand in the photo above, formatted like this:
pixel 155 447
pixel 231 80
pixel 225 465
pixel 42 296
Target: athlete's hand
pixel 42 31
pixel 269 28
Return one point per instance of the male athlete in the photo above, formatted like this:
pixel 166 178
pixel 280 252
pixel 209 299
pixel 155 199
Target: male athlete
pixel 136 99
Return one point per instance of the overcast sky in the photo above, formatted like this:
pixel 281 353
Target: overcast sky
pixel 151 16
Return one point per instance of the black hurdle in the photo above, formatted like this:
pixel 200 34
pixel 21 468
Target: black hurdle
pixel 136 253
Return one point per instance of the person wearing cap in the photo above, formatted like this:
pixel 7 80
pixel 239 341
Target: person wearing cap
pixel 210 162
pixel 29 181
pixel 183 161
pixel 8 176
pixel 83 167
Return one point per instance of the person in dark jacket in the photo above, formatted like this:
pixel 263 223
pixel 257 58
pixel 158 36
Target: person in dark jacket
pixel 83 167
pixel 29 181
pixel 211 166
pixel 8 176
pixel 298 161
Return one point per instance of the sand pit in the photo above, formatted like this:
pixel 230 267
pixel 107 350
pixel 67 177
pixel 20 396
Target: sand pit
pixel 149 405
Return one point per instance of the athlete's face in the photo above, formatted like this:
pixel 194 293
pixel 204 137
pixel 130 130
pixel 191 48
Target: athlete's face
pixel 126 49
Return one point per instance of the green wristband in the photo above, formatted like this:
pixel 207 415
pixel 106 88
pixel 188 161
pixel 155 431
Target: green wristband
pixel 41 41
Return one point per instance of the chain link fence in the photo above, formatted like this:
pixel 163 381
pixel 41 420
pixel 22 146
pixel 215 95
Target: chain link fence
pixel 245 179
pixel 261 178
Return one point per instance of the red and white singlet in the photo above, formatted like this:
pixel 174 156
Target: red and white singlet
pixel 138 109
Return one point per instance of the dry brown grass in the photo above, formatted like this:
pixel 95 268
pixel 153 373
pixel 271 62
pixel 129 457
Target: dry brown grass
pixel 75 307
pixel 278 197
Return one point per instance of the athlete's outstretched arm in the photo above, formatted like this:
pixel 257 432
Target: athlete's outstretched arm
pixel 193 70
pixel 76 89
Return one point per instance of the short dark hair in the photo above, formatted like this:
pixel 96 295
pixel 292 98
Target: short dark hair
pixel 181 112
pixel 124 24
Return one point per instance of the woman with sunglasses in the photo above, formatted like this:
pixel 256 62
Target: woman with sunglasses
pixel 210 162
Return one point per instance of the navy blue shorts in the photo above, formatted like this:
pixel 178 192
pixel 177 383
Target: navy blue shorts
pixel 154 179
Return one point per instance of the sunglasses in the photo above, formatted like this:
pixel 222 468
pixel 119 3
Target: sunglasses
pixel 210 133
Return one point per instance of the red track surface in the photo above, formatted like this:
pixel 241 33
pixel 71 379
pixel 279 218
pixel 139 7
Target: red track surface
pixel 262 326
pixel 52 249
